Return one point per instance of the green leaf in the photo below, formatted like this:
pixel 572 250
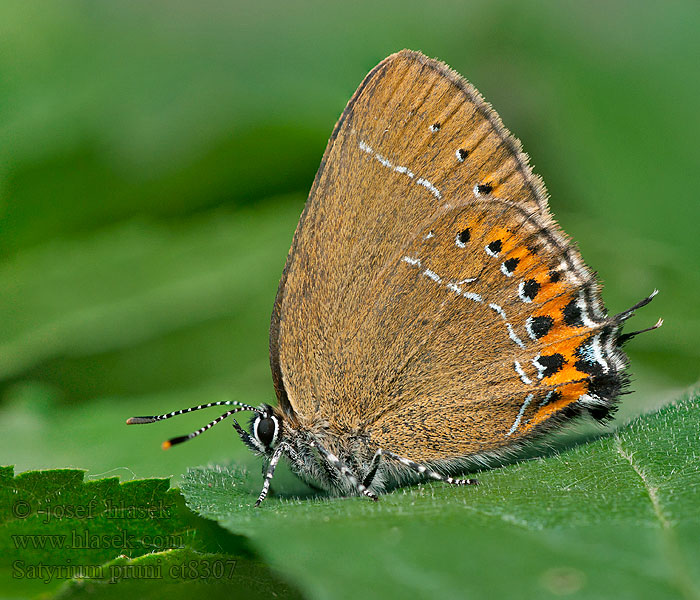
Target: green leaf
pixel 617 517
pixel 56 527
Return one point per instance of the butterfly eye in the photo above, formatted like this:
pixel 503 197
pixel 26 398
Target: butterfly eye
pixel 265 430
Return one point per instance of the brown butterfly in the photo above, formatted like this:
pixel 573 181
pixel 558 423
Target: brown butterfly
pixel 432 314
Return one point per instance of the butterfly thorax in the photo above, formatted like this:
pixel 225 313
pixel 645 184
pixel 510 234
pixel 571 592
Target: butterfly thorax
pixel 310 442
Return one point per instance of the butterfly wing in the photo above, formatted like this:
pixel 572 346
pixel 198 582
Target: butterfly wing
pixel 429 300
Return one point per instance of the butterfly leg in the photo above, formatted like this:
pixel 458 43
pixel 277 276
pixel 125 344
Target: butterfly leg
pixel 372 471
pixel 295 458
pixel 423 470
pixel 344 470
pixel 276 455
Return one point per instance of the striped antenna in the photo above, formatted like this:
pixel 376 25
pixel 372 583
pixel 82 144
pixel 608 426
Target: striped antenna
pixel 153 419
pixel 183 438
pixel 194 434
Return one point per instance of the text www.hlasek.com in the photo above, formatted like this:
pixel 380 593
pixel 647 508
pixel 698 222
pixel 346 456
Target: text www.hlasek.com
pixel 85 540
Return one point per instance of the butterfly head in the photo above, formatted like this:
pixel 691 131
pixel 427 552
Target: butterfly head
pixel 265 430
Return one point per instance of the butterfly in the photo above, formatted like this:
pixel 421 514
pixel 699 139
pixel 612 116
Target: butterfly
pixel 431 315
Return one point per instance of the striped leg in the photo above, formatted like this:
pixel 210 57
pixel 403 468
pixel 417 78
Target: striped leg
pixel 423 470
pixel 276 455
pixel 295 458
pixel 372 471
pixel 344 471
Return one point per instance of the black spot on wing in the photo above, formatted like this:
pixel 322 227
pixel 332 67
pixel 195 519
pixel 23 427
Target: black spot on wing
pixel 495 246
pixel 551 364
pixel 590 367
pixel 540 326
pixel 510 264
pixel 530 289
pixel 572 314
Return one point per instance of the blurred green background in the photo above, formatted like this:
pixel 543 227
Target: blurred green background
pixel 155 158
